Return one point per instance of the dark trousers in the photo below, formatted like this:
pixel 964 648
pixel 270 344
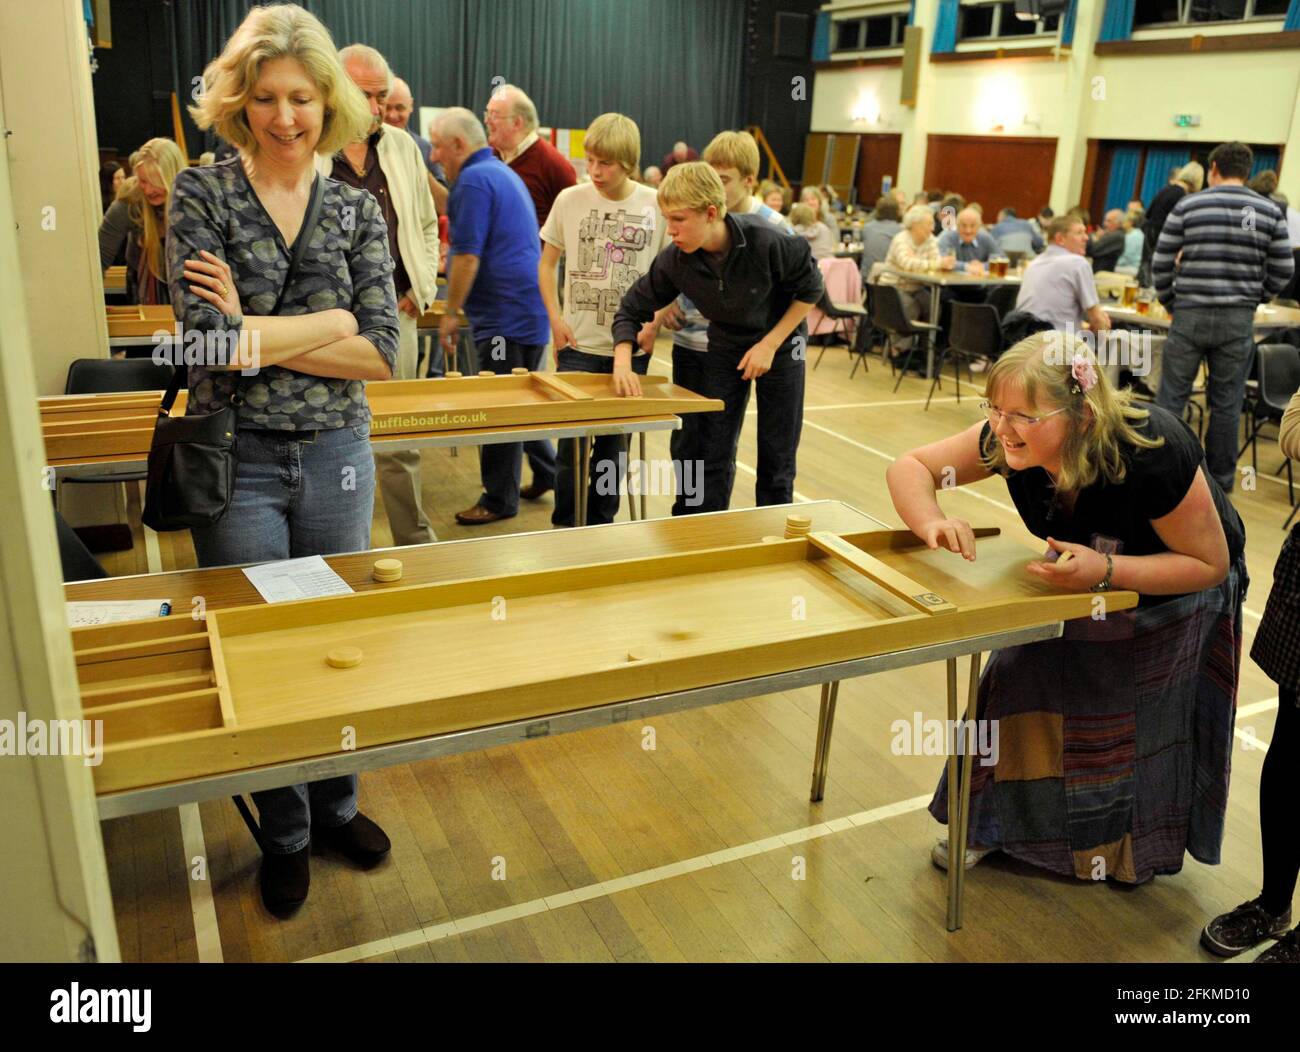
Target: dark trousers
pixel 780 419
pixel 684 443
pixel 1224 337
pixel 607 470
pixel 500 463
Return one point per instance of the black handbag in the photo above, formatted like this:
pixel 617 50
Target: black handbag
pixel 192 458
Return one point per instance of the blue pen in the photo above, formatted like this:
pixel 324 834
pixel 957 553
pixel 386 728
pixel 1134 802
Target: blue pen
pixel 165 609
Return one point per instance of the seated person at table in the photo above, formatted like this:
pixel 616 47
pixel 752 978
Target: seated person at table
pixel 969 244
pixel 914 249
pixel 1014 234
pixel 136 223
pixel 1131 258
pixel 878 234
pixel 1058 287
pixel 755 283
pixel 817 234
pixel 593 223
pixel 1108 245
pixel 1115 740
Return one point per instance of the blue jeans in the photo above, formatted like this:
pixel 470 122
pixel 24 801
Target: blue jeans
pixel 500 463
pixel 780 420
pixel 296 498
pixel 601 506
pixel 684 443
pixel 1224 337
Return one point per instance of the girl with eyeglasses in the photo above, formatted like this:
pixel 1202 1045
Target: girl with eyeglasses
pixel 1114 740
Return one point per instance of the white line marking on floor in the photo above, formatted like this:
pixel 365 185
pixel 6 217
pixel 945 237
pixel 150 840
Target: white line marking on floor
pixel 207 936
pixel 1256 707
pixel 610 887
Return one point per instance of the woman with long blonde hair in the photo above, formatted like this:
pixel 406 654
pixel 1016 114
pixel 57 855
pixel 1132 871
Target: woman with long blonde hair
pixel 1115 740
pixel 137 219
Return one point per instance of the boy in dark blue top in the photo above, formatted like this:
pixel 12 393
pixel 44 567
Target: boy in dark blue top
pixel 755 285
pixel 493 278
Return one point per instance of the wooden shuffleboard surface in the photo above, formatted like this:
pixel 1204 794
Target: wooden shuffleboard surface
pixel 116 424
pixel 255 685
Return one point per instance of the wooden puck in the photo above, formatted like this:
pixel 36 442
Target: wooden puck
pixel 519 372
pixel 643 653
pixel 1064 558
pixel 388 570
pixel 486 372
pixel 453 375
pixel 344 657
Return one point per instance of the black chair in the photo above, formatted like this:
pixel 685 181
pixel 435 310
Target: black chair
pixel 1278 367
pixel 976 333
pixel 105 376
pixel 867 332
pixel 888 315
pixel 1003 297
pixel 841 314
pixel 114 375
pixel 78 563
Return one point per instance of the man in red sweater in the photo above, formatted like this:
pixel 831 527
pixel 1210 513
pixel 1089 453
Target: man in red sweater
pixel 512 132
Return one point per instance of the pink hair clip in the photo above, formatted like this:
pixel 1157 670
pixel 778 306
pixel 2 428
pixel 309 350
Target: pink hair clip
pixel 1084 373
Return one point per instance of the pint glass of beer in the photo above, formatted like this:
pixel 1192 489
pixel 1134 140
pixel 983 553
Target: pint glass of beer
pixel 1130 293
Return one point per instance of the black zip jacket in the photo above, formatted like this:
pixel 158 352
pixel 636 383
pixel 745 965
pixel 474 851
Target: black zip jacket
pixel 765 270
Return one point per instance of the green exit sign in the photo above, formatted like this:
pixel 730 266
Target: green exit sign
pixel 1187 120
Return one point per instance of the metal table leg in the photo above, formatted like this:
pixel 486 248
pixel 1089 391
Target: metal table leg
pixel 641 473
pixel 960 817
pixel 825 724
pixel 933 338
pixel 584 474
pixel 249 821
pixel 579 484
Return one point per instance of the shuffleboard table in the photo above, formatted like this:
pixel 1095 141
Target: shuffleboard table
pixel 708 609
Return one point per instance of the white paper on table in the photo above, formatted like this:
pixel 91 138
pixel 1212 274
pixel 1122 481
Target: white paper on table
pixel 82 615
pixel 291 579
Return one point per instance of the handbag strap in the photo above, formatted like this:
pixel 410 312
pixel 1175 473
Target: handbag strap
pixel 299 251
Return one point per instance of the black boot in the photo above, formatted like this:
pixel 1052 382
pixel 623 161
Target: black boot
pixel 285 880
pixel 360 840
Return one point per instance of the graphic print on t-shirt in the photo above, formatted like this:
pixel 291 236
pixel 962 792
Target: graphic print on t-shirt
pixel 612 254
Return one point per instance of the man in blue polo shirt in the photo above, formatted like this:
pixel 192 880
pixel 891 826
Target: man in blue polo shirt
pixel 493 278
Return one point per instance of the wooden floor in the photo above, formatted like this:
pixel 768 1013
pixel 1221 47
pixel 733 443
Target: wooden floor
pixel 592 847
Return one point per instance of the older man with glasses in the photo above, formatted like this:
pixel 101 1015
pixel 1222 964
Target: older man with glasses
pixel 511 123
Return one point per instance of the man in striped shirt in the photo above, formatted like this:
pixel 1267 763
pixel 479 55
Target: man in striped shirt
pixel 1221 253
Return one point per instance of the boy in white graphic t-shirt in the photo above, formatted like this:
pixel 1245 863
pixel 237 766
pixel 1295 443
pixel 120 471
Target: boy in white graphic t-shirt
pixel 609 231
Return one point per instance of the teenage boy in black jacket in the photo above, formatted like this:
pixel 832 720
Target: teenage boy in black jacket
pixel 755 285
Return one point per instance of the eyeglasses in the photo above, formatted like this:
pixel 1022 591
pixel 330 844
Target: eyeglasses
pixel 1016 420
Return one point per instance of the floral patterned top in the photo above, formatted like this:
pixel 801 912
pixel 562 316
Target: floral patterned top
pixel 347 265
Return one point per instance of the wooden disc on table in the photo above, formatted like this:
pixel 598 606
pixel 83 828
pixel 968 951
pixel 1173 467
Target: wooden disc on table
pixel 643 653
pixel 388 570
pixel 797 526
pixel 521 371
pixel 453 375
pixel 486 372
pixel 1064 558
pixel 344 657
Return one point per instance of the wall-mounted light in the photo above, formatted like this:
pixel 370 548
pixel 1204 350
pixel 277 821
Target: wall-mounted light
pixel 866 110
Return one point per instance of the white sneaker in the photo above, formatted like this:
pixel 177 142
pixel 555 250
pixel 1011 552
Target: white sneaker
pixel 939 854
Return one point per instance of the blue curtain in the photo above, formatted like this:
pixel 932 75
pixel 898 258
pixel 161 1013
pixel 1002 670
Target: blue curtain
pixel 1159 161
pixel 945 27
pixel 1117 22
pixel 911 12
pixel 571 56
pixel 1292 16
pixel 1067 23
pixel 1264 159
pixel 822 38
pixel 1123 177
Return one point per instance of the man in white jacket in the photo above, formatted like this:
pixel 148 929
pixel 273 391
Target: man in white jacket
pixel 388 164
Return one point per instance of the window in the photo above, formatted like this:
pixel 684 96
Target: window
pixel 1196 12
pixel 982 21
pixel 848 35
pixel 864 34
